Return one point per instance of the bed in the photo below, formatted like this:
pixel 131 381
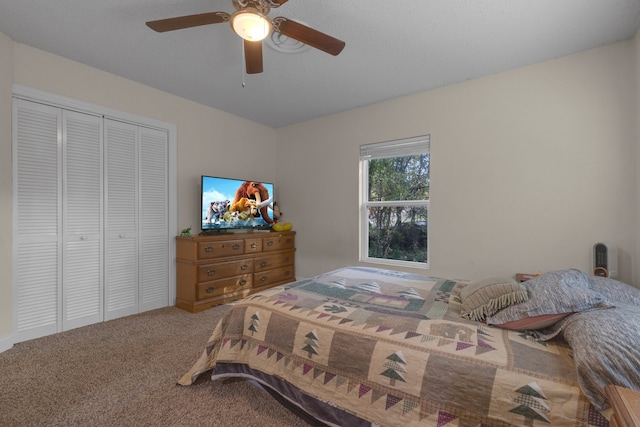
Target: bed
pixel 373 347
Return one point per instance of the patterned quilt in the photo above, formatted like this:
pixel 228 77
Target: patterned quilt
pixel 364 346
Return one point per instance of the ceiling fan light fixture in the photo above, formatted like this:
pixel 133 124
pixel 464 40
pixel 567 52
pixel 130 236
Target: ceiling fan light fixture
pixel 250 24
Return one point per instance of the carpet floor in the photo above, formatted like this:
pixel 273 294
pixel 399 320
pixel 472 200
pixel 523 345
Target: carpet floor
pixel 123 373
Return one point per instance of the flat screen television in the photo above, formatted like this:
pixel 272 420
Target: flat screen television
pixel 229 204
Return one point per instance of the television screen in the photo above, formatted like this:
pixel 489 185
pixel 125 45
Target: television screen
pixel 232 203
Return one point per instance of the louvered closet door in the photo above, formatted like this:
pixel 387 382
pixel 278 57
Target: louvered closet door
pixel 154 228
pixel 121 208
pixel 37 186
pixel 82 287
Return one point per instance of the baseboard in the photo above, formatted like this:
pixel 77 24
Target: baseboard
pixel 6 343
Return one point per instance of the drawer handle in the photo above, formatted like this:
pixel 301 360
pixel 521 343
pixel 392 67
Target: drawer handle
pixel 270 243
pixel 286 259
pixel 243 282
pixel 236 246
pixel 263 264
pixel 211 272
pixel 263 278
pixel 244 267
pixel 210 289
pixel 208 249
pixel 287 273
pixel 254 245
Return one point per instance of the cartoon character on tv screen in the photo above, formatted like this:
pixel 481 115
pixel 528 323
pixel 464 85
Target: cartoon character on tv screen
pixel 253 197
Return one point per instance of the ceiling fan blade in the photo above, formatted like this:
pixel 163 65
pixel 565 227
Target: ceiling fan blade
pixel 253 56
pixel 188 21
pixel 308 35
pixel 277 3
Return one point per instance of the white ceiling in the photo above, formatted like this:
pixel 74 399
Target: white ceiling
pixel 393 47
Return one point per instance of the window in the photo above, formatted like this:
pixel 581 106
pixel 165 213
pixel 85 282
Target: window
pixel 395 202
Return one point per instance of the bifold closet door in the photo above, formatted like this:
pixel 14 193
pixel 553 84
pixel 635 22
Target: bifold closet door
pixel 58 216
pixel 82 284
pixel 154 219
pixel 136 229
pixel 121 219
pixel 37 218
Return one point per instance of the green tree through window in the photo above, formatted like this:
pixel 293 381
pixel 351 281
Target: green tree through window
pixel 395 201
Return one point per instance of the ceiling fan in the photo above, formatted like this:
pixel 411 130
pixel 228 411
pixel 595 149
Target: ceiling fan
pixel 251 22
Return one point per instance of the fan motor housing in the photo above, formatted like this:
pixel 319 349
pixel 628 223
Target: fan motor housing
pixel 262 6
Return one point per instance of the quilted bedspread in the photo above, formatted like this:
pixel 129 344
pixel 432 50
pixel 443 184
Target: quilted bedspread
pixel 362 346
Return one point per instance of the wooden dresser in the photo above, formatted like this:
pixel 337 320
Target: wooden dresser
pixel 625 404
pixel 219 268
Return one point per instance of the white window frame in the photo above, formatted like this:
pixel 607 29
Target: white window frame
pixel 380 150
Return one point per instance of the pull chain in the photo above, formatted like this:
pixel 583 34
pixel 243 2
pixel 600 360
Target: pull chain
pixel 243 62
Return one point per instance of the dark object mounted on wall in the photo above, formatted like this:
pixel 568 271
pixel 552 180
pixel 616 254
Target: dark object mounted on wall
pixel 605 260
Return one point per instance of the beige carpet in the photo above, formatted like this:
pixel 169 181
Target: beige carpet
pixel 123 373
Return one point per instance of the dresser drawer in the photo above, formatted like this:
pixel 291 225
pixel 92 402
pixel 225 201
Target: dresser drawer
pixel 267 262
pixel 278 242
pixel 224 286
pixel 214 249
pixel 265 278
pixel 252 246
pixel 220 270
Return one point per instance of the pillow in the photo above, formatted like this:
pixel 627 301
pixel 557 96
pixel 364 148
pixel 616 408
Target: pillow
pixel 615 291
pixel 605 349
pixel 485 297
pixel 554 293
pixel 534 323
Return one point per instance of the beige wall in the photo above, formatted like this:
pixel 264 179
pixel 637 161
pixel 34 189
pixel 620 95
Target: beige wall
pixel 6 72
pixel 530 167
pixel 636 90
pixel 209 141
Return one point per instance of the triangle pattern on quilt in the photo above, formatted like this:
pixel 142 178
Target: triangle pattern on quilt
pixel 317 372
pixel 445 418
pixel 409 405
pixel 328 376
pixel 483 347
pixel 463 346
pixel 363 389
pixel 410 335
pixel 377 394
pixel 306 369
pixel 392 401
